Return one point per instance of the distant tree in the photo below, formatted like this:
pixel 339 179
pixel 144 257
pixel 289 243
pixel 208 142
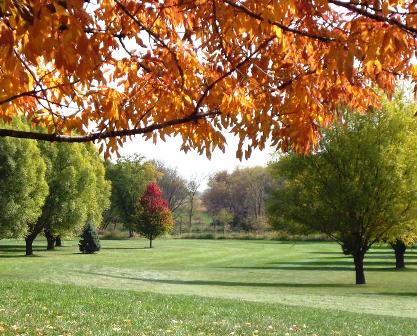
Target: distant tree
pixel 173 186
pixel 89 242
pixel 193 185
pixel 129 177
pixel 358 187
pixel 23 187
pixel 153 217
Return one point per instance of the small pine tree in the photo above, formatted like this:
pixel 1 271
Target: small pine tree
pixel 89 242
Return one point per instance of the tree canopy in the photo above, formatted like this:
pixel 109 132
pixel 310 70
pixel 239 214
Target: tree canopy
pixel 257 68
pixel 360 186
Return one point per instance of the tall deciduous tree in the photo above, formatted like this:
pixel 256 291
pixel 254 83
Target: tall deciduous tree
pixel 95 192
pixel 260 68
pixel 23 187
pixel 129 177
pixel 73 191
pixel 153 217
pixel 358 187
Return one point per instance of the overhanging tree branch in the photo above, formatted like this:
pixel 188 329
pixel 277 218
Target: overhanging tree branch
pixel 52 137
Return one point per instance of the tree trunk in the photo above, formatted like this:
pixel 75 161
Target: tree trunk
pixel 50 239
pixel 58 241
pixel 399 249
pixel 30 239
pixel 130 233
pixel 150 242
pixel 360 275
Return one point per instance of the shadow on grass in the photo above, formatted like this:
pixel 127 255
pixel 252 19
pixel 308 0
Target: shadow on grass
pixel 226 283
pixel 12 256
pixel 9 249
pixel 411 294
pixel 124 248
pixel 342 265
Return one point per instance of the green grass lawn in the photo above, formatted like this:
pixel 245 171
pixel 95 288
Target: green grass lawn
pixel 191 287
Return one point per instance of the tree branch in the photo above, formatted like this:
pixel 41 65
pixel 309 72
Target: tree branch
pixel 285 28
pixel 52 137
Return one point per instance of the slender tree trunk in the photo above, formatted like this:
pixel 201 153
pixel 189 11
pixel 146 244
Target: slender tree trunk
pixel 399 249
pixel 50 239
pixel 150 242
pixel 360 275
pixel 190 217
pixel 58 241
pixel 130 233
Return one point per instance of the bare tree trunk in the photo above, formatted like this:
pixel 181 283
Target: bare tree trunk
pixel 150 242
pixel 190 215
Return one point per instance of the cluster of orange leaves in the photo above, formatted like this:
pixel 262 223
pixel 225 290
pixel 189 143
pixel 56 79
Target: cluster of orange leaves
pixel 257 68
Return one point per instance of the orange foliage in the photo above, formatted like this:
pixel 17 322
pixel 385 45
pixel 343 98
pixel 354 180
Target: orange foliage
pixel 260 69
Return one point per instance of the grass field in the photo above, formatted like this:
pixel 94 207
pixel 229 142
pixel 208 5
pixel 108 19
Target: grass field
pixel 191 287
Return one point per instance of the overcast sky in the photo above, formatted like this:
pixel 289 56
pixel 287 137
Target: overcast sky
pixel 193 164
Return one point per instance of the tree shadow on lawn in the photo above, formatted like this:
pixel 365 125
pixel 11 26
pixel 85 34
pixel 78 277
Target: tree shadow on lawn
pixel 227 283
pixel 411 294
pixel 326 266
pixel 125 248
pixel 11 256
pixel 18 249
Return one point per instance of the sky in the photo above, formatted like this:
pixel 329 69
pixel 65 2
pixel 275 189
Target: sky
pixel 192 164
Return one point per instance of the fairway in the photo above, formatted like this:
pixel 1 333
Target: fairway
pixel 313 277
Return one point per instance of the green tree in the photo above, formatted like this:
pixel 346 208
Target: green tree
pixel 358 187
pixel 96 192
pixel 23 187
pixel 129 177
pixel 74 196
pixel 153 216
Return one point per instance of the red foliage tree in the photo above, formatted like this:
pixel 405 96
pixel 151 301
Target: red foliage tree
pixel 153 214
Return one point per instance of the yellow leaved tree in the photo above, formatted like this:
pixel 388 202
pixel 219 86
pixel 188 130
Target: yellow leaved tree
pixel 259 69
